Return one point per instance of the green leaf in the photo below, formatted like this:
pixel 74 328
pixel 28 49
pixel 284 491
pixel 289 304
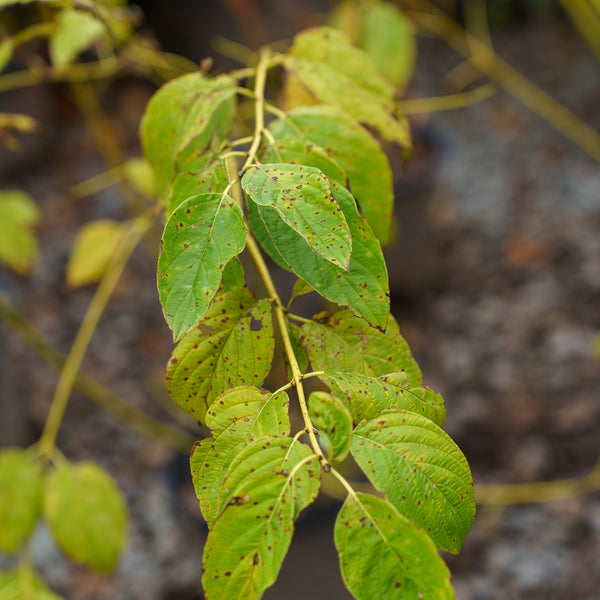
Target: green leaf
pixel 182 119
pixel 233 275
pixel 138 173
pixel 422 471
pixel 303 199
pixel 20 485
pixel 233 345
pixel 341 342
pixel 201 236
pixel 236 418
pixel 6 52
pixel 364 287
pixel 367 396
pixel 384 556
pixel 24 584
pixel 86 513
pixel 388 37
pixel 75 32
pixel 92 250
pixel 300 288
pixel 248 542
pixel 341 139
pixel 18 216
pixel 340 75
pixel 334 422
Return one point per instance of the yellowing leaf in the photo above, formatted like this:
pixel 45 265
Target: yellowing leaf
pixel 92 250
pixel 18 246
pixel 139 175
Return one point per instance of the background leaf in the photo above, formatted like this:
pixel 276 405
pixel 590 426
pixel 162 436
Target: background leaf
pixel 334 422
pixel 303 199
pixel 92 250
pixel 341 342
pixel 421 470
pixel 18 216
pixel 233 345
pixel 138 173
pixel 20 506
pixel 385 556
pixel 86 513
pixel 201 236
pixel 24 584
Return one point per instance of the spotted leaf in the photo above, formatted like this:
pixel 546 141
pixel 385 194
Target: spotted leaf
pixel 334 423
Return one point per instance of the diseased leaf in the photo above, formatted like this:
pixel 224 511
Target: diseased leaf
pixel 332 133
pixel 364 287
pixel 92 250
pixel 23 584
pixel 388 37
pixel 20 507
pixel 303 199
pixel 248 542
pixel 18 216
pixel 338 74
pixel 367 396
pixel 75 32
pixel 201 236
pixel 181 120
pixel 236 418
pixel 341 342
pixel 233 345
pixel 385 556
pixel 421 470
pixel 334 422
pixel 86 513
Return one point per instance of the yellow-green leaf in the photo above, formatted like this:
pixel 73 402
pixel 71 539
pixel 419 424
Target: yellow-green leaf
pixel 92 250
pixel 24 584
pixel 18 245
pixel 139 175
pixel 87 514
pixel 334 422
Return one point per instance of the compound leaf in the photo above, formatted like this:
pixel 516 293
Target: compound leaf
pixel 20 486
pixel 421 470
pixel 233 345
pixel 18 245
pixel 367 396
pixel 86 513
pixel 364 287
pixel 332 133
pixel 341 342
pixel 182 119
pixel 385 556
pixel 249 540
pixel 201 236
pixel 303 199
pixel 334 422
pixel 236 418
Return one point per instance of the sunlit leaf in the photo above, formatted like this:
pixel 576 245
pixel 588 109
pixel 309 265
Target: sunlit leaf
pixel 385 556
pixel 422 471
pixel 18 245
pixel 232 345
pixel 334 422
pixel 92 250
pixel 20 486
pixel 86 513
pixel 24 584
pixel 201 236
pixel 341 342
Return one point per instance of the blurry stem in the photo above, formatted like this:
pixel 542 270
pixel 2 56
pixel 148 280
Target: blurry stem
pixel 586 18
pixel 483 58
pixel 450 102
pixel 105 289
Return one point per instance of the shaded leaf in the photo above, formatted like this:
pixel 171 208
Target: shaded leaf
pixel 201 236
pixel 303 199
pixel 385 556
pixel 248 542
pixel 422 471
pixel 367 396
pixel 182 119
pixel 236 418
pixel 334 422
pixel 233 345
pixel 92 250
pixel 24 584
pixel 300 288
pixel 233 275
pixel 86 514
pixel 332 133
pixel 364 288
pixel 341 342
pixel 18 245
pixel 20 485
pixel 6 52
